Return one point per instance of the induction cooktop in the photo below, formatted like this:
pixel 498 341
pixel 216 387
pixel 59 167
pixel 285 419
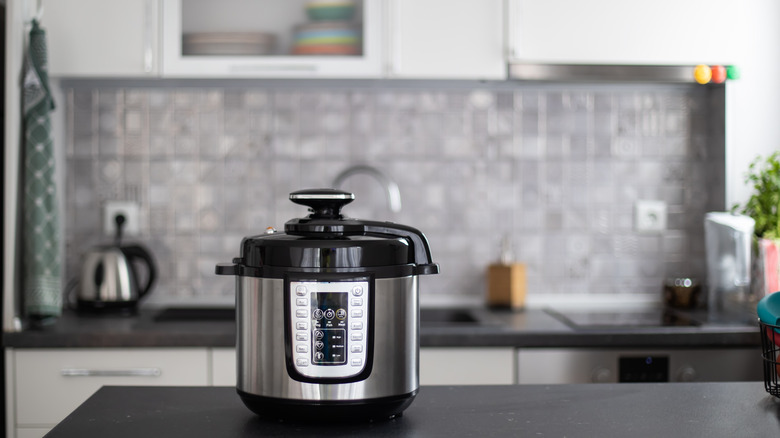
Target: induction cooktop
pixel 613 319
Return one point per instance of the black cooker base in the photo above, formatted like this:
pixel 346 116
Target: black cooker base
pixel 374 409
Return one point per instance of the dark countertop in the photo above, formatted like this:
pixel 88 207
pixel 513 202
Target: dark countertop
pixel 606 410
pixel 439 328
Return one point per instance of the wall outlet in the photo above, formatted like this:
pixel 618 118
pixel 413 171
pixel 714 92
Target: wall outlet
pixel 650 216
pixel 129 210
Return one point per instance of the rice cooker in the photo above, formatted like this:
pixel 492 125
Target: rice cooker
pixel 327 314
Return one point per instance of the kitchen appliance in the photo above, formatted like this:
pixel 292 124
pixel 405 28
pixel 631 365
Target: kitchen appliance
pixel 623 319
pixel 633 364
pixel 626 360
pixel 727 240
pixel 110 279
pixel 327 314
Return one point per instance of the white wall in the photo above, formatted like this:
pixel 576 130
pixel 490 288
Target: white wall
pixel 753 102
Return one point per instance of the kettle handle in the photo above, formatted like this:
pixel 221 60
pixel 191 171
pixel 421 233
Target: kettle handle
pixel 139 252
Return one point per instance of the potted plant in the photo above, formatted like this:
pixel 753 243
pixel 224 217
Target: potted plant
pixel 764 207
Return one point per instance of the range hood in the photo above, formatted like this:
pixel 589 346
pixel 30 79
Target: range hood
pixel 702 74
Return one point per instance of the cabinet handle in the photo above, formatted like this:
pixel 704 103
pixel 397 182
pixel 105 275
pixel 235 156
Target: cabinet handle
pixel 243 68
pixel 129 372
pixel 148 31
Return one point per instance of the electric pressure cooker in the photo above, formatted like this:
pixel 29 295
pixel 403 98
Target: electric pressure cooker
pixel 327 314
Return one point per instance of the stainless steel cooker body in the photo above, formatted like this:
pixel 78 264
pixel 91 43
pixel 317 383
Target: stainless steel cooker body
pixel 328 314
pixel 264 355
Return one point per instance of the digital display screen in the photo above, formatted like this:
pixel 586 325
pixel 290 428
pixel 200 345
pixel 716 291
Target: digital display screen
pixel 329 327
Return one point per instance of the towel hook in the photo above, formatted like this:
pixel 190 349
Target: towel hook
pixel 38 13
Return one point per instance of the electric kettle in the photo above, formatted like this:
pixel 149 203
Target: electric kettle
pixel 110 278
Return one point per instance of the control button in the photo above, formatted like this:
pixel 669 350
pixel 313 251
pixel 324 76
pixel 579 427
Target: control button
pixel 301 313
pixel 356 361
pixel 356 348
pixel 357 291
pixel 302 336
pixel 302 362
pixel 319 356
pixel 318 334
pixel 356 301
pixel 356 336
pixel 357 313
pixel 356 325
pixel 317 314
pixel 300 291
pixel 301 348
pixel 329 314
pixel 302 325
pixel 301 302
pixel 341 314
pixel 319 345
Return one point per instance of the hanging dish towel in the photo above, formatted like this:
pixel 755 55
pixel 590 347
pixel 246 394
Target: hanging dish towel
pixel 41 234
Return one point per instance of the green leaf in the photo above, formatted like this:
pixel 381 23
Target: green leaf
pixel 764 204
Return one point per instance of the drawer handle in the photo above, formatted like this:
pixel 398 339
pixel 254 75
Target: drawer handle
pixel 130 372
pixel 249 68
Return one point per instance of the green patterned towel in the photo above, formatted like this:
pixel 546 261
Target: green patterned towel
pixel 42 289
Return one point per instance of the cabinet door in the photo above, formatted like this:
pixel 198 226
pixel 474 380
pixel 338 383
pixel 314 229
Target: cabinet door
pixel 223 367
pixel 285 22
pixel 101 37
pixel 447 40
pixel 31 432
pixel 467 366
pixel 50 384
pixel 624 32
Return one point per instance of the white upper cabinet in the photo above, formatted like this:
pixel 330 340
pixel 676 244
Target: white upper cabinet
pixel 658 32
pixel 102 38
pixel 446 39
pixel 272 38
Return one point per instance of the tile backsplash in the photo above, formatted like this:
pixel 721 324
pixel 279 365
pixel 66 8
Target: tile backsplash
pixel 554 169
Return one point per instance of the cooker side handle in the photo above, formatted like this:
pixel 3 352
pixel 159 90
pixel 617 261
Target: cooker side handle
pixel 422 252
pixel 226 269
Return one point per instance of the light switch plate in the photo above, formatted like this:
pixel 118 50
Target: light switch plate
pixel 130 211
pixel 649 216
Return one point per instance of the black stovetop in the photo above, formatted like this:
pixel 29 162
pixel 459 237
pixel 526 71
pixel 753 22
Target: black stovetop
pixel 614 319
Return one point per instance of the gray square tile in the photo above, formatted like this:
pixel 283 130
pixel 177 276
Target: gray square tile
pixel 551 165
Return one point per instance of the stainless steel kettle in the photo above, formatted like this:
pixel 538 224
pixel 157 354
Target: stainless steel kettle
pixel 109 278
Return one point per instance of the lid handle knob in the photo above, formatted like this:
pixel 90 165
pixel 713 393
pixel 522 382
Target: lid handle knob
pixel 323 203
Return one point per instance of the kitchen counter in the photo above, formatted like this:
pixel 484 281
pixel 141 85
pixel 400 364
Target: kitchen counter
pixel 607 410
pixel 474 327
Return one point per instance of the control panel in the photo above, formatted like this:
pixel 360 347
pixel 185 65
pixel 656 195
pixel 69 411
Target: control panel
pixel 329 327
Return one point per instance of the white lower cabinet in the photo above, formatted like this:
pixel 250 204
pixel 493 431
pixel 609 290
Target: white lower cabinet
pixel 45 385
pixel 223 366
pixel 31 432
pixel 467 366
pixel 438 366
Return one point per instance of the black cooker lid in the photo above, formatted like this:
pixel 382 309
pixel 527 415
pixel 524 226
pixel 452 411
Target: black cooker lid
pixel 326 240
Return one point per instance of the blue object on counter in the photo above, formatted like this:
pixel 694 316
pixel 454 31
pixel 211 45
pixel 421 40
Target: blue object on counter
pixel 768 310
